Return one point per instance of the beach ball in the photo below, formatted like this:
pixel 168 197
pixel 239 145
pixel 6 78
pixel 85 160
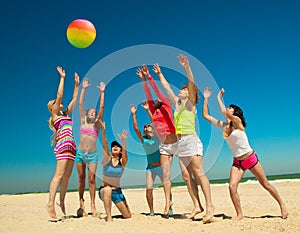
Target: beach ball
pixel 81 33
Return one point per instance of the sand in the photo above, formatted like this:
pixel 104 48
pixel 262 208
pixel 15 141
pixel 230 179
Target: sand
pixel 26 212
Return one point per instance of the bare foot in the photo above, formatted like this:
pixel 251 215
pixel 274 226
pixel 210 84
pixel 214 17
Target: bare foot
pixel 238 218
pixel 284 212
pixel 96 214
pixel 62 207
pixel 51 211
pixel 195 212
pixel 108 219
pixel 207 220
pixel 284 215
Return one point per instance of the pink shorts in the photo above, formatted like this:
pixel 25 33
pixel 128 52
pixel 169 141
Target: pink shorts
pixel 247 163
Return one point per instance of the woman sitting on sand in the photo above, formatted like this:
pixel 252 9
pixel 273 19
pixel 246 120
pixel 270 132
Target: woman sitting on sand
pixel 244 156
pixel 114 164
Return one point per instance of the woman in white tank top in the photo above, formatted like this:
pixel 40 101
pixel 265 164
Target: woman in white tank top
pixel 244 157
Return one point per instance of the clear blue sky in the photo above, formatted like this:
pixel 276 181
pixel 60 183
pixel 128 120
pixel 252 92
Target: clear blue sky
pixel 251 48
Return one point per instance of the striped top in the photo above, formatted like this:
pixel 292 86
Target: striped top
pixel 64 143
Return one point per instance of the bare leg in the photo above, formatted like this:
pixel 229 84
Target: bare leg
pixel 81 167
pixel 59 172
pixel 199 174
pixel 236 174
pixel 186 171
pixel 64 184
pixel 259 173
pixel 92 187
pixel 106 197
pixel 150 177
pixel 166 163
pixel 124 209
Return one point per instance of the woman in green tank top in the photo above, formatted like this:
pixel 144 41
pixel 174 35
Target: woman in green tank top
pixel 190 149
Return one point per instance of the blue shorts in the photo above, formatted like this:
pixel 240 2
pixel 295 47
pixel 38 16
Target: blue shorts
pixel 155 170
pixel 86 157
pixel 116 195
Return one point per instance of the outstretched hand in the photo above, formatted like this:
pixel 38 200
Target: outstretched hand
pixel 156 69
pixel 139 72
pixel 76 79
pixel 124 135
pixel 183 60
pixel 101 86
pixel 145 105
pixel 133 109
pixel 207 93
pixel 221 93
pixel 145 70
pixel 61 72
pixel 85 83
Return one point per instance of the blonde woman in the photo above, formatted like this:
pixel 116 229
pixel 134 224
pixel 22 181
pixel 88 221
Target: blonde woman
pixel 64 146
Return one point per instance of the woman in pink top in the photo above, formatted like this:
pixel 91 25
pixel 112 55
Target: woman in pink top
pixel 87 156
pixel 244 157
pixel 163 123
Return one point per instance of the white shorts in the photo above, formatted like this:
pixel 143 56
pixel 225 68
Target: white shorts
pixel 189 145
pixel 168 149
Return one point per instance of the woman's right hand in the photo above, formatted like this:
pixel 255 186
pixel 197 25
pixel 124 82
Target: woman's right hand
pixel 133 109
pixel 207 93
pixel 61 72
pixel 221 93
pixel 85 83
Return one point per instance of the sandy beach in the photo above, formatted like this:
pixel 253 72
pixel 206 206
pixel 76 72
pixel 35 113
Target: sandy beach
pixel 26 212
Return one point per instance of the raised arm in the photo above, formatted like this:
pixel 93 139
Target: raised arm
pixel 106 155
pixel 123 138
pixel 149 97
pixel 135 123
pixel 184 62
pixel 220 101
pixel 60 91
pixel 75 94
pixel 146 107
pixel 205 114
pixel 85 85
pixel 164 83
pixel 101 105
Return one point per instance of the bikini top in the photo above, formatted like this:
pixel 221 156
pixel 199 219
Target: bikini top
pixel 113 171
pixel 89 131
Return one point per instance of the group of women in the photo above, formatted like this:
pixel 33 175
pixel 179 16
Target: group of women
pixel 169 133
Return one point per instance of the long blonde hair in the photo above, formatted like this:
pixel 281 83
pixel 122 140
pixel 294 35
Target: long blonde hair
pixel 51 123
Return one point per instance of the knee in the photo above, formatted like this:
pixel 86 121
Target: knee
pixel 91 180
pixel 149 191
pixel 233 187
pixel 185 176
pixel 128 215
pixel 266 184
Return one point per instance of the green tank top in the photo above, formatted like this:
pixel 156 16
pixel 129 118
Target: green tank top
pixel 184 121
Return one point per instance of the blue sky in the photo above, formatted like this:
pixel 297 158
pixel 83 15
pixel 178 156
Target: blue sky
pixel 251 48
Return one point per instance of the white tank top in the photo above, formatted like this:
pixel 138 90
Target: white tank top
pixel 238 143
